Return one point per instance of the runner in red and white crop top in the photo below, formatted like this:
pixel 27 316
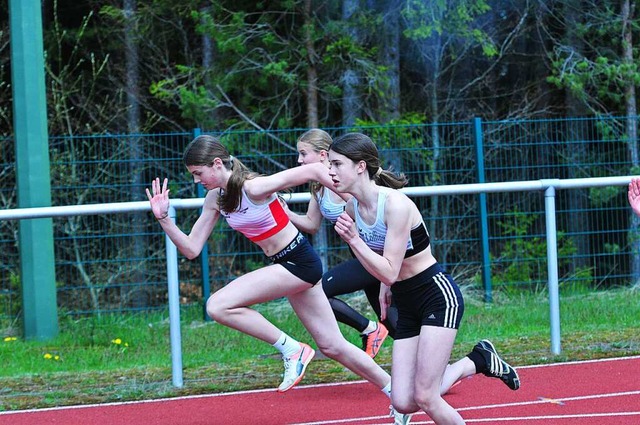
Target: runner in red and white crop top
pixel 257 221
pixel 295 267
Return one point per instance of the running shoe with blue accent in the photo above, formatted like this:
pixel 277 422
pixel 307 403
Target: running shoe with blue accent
pixel 295 366
pixel 496 367
pixel 399 418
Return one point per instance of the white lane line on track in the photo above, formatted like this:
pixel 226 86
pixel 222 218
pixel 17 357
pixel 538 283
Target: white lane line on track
pixel 298 388
pixel 480 420
pixel 547 401
pixel 503 405
pixel 578 362
pixel 539 418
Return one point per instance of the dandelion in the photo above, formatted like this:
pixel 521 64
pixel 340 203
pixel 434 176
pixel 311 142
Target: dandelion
pixel 56 357
pixel 117 341
pixel 9 338
pixel 48 356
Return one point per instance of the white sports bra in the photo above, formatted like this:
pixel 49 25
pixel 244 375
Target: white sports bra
pixel 328 208
pixel 374 235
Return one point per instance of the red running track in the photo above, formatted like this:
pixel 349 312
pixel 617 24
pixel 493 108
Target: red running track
pixel 585 393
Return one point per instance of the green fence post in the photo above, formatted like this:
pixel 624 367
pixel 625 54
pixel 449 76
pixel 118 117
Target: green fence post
pixel 482 207
pixel 204 255
pixel 37 263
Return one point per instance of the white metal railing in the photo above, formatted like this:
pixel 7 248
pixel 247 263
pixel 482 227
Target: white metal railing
pixel 549 186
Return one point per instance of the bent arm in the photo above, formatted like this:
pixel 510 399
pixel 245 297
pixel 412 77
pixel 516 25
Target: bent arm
pixel 385 267
pixel 189 245
pixel 311 221
pixel 262 187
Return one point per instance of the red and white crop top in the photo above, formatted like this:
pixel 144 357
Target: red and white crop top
pixel 257 222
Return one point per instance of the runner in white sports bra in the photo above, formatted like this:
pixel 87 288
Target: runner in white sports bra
pixel 349 276
pixel 386 232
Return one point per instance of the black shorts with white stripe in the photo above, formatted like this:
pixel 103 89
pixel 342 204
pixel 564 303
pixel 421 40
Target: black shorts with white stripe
pixel 430 298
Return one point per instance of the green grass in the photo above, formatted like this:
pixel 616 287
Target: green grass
pixel 88 366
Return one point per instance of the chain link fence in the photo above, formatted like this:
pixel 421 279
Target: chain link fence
pixel 116 263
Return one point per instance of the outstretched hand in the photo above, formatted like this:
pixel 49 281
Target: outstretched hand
pixel 634 195
pixel 159 198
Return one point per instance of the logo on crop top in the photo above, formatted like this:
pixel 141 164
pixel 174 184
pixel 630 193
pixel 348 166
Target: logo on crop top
pixel 371 236
pixel 240 211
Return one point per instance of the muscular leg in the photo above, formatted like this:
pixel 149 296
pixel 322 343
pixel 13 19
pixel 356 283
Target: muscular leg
pixel 314 311
pixel 418 367
pixel 455 372
pixel 228 306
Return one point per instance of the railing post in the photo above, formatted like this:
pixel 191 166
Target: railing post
pixel 552 265
pixel 174 307
pixel 33 175
pixel 482 212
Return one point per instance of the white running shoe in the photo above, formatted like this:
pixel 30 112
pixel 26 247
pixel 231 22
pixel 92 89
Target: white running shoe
pixel 295 366
pixel 399 418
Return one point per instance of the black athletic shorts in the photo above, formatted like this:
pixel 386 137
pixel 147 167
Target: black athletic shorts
pixel 430 298
pixel 300 259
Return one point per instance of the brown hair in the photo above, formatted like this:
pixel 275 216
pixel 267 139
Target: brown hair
pixel 359 147
pixel 319 140
pixel 202 151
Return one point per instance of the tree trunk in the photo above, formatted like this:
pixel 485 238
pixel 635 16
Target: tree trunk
pixel 627 12
pixel 312 73
pixel 207 60
pixel 576 151
pixel 132 76
pixel 137 296
pixel 350 103
pixel 390 57
pixel 433 69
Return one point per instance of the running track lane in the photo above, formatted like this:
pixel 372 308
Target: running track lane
pixel 584 393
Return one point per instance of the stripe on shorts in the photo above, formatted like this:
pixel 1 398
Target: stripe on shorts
pixel 451 300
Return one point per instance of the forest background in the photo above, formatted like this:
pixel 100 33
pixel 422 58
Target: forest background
pixel 163 66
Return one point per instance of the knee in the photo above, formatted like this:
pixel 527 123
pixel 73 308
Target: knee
pixel 403 406
pixel 216 308
pixel 402 398
pixel 427 399
pixel 331 349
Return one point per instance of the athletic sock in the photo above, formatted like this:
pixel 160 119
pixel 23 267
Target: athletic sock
pixel 372 326
pixel 478 361
pixel 387 389
pixel 287 345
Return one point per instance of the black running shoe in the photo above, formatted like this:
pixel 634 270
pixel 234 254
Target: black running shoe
pixel 496 367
